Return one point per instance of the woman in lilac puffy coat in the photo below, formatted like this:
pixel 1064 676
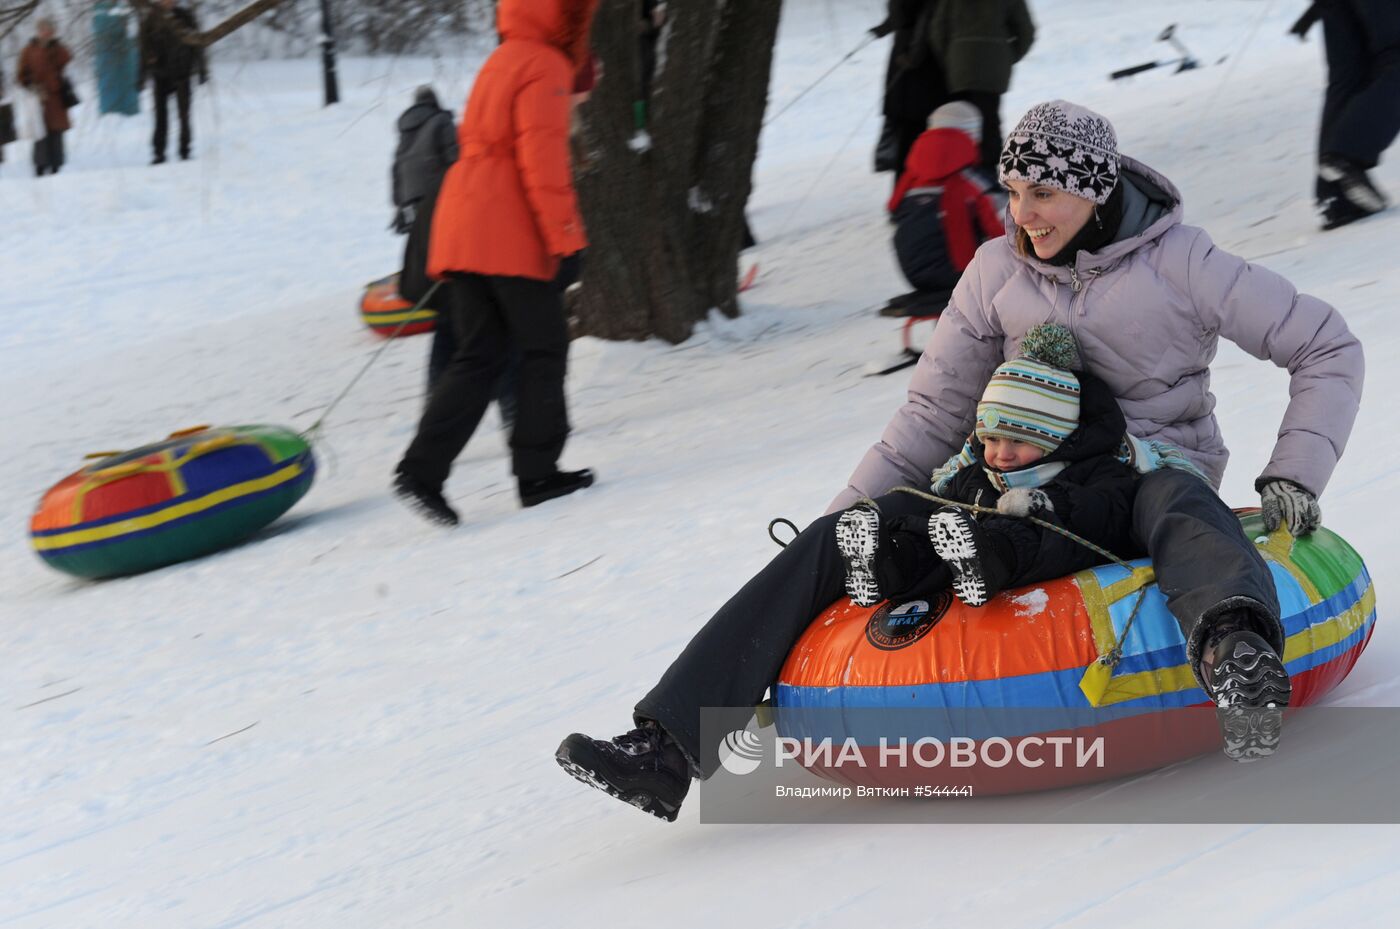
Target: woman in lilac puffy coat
pixel 1094 242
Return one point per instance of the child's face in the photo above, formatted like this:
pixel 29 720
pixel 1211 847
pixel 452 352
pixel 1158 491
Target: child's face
pixel 1009 454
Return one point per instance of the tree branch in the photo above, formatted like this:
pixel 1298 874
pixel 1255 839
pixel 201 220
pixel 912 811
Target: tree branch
pixel 208 37
pixel 14 12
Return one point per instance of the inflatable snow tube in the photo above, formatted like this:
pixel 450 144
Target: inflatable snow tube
pixel 199 491
pixel 384 311
pixel 1026 668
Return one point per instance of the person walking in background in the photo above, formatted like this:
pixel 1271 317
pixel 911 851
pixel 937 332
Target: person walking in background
pixel 978 42
pixel 914 84
pixel 506 221
pixel 427 148
pixel 170 56
pixel 1361 109
pixel 41 67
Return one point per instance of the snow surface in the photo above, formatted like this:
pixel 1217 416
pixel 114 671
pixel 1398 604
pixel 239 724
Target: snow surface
pixel 350 720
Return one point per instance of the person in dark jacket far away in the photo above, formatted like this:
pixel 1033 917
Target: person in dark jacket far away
pixel 170 57
pixel 427 148
pixel 1050 442
pixel 943 208
pixel 504 230
pixel 914 84
pixel 1095 242
pixel 1361 111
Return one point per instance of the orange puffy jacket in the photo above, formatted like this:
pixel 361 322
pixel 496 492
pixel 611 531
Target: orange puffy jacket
pixel 507 206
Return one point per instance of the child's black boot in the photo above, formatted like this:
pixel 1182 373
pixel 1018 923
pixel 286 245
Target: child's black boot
pixel 980 567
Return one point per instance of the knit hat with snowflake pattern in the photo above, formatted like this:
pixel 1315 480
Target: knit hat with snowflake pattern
pixel 1034 398
pixel 1065 146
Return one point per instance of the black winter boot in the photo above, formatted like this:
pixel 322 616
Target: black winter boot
pixel 644 767
pixel 1339 211
pixel 1355 184
pixel 980 570
pixel 1249 684
pixel 425 500
pixel 558 484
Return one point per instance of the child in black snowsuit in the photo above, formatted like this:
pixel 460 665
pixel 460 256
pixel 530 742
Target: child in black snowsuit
pixel 1047 444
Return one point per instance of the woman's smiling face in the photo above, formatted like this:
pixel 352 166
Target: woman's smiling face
pixel 1050 217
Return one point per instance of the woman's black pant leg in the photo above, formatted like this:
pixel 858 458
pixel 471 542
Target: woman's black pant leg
pixel 737 655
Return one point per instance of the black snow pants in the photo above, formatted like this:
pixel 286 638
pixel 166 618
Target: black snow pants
pixel 1204 564
pixel 48 154
pixel 491 317
pixel 1361 111
pixel 165 88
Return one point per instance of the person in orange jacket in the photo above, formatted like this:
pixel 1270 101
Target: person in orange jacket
pixel 507 227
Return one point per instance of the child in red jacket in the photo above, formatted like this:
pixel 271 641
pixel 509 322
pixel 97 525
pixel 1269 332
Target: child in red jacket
pixel 942 208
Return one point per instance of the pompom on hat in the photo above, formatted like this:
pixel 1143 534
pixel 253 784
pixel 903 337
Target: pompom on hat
pixel 1065 146
pixel 1035 397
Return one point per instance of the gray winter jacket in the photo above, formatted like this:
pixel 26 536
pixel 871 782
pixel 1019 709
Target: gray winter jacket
pixel 427 148
pixel 1149 310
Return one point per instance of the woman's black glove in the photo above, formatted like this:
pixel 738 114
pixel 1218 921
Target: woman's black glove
pixel 570 270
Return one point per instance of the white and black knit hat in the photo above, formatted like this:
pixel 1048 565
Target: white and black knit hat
pixel 1062 145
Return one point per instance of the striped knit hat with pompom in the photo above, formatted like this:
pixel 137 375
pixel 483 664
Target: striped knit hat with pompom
pixel 1035 397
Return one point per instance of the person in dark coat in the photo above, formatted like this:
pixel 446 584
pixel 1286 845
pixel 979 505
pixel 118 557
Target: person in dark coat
pixel 170 59
pixel 427 148
pixel 41 67
pixel 978 42
pixel 1361 109
pixel 1050 442
pixel 914 84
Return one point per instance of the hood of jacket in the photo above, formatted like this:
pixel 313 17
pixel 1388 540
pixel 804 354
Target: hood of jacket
pixel 415 116
pixel 1101 431
pixel 947 151
pixel 1151 206
pixel 563 24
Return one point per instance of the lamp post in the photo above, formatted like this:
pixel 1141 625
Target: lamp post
pixel 328 54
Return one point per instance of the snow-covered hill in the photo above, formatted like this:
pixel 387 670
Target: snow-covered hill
pixel 397 691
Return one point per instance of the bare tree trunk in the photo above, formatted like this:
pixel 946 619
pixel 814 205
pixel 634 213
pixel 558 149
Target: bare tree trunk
pixel 665 222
